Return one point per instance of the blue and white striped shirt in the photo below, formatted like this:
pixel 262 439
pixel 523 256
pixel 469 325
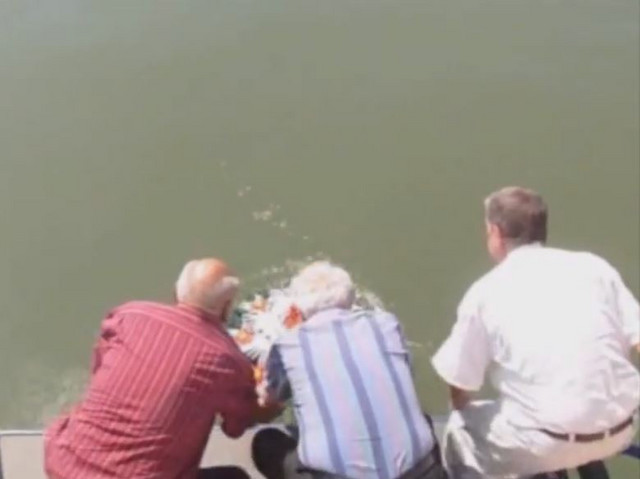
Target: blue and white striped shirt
pixel 353 394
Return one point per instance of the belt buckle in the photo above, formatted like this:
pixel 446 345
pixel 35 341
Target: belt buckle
pixel 572 437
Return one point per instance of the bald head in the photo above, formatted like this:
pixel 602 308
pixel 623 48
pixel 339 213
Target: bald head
pixel 207 284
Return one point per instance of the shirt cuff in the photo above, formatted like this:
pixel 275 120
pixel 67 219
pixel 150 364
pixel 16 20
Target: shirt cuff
pixel 450 377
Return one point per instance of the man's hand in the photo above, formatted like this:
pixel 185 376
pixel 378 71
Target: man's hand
pixel 268 409
pixel 263 411
pixel 459 397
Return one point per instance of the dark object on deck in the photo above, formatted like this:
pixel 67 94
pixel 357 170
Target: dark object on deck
pixel 593 470
pixel 633 451
pixel 223 472
pixel 274 454
pixel 552 475
pixel 269 451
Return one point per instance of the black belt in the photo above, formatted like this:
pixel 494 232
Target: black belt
pixel 418 470
pixel 424 465
pixel 597 436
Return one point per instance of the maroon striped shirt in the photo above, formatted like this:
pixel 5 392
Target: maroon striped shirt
pixel 160 376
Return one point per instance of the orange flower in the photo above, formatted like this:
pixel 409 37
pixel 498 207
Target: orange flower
pixel 258 374
pixel 243 337
pixel 294 318
pixel 259 304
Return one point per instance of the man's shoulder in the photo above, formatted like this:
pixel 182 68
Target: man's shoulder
pixel 324 320
pixel 387 322
pixel 549 257
pixel 180 320
pixel 142 308
pixel 347 316
pixel 596 262
pixel 584 260
pixel 488 285
pixel 480 288
pixel 382 315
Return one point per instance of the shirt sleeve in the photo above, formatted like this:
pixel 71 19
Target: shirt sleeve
pixel 241 403
pixel 405 344
pixel 628 311
pixel 278 385
pixel 463 358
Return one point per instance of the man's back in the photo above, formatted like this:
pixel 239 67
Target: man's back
pixel 160 376
pixel 353 395
pixel 560 326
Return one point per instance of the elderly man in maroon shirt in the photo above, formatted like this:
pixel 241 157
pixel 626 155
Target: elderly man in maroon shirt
pixel 160 376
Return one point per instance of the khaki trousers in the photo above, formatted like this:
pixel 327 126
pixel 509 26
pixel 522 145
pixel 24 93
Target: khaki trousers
pixel 481 442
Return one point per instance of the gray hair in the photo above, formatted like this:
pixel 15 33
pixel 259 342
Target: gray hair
pixel 320 286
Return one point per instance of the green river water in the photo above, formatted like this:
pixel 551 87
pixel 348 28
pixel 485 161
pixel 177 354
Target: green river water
pixel 135 135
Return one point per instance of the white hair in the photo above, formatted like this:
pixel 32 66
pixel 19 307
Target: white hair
pixel 212 297
pixel 322 286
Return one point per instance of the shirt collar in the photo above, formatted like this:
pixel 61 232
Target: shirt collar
pixel 200 315
pixel 328 315
pixel 524 248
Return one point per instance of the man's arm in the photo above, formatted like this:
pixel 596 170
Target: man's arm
pixel 234 427
pixel 459 398
pixel 465 355
pixel 239 408
pixel 268 408
pixel 628 311
pixel 242 408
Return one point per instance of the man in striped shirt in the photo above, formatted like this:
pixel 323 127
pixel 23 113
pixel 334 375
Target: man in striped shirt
pixel 160 376
pixel 349 375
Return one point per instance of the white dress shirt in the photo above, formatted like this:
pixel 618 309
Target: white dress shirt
pixel 555 330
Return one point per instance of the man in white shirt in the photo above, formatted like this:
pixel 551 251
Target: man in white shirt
pixel 555 331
